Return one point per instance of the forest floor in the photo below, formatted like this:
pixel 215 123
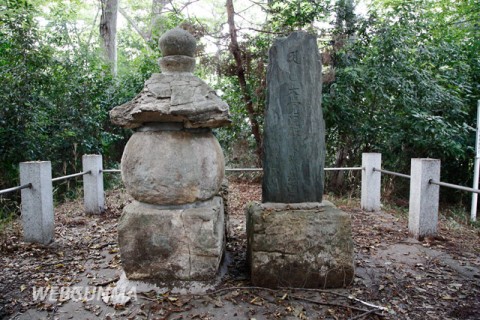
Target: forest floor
pixel 396 277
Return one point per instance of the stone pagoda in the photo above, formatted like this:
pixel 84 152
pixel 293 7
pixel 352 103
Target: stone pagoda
pixel 173 167
pixel 294 238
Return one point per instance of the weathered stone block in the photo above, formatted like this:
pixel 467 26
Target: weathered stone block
pixel 166 243
pixel 172 167
pixel 306 245
pixel 423 208
pixel 37 202
pixel 177 42
pixel 93 194
pixel 173 97
pixel 294 131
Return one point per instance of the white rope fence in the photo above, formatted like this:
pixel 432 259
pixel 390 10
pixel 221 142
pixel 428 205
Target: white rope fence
pixel 37 196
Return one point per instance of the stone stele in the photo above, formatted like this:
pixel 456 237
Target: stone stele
pixel 306 245
pixel 294 131
pixel 295 239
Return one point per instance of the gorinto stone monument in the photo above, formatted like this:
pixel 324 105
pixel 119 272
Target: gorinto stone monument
pixel 293 238
pixel 173 167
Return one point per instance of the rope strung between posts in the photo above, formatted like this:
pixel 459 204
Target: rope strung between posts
pixel 72 176
pixel 453 186
pixel 25 186
pixel 401 175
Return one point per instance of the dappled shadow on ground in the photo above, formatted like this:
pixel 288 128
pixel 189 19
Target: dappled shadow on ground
pixel 396 277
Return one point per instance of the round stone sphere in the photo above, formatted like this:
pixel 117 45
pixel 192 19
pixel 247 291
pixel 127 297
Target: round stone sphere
pixel 172 167
pixel 177 42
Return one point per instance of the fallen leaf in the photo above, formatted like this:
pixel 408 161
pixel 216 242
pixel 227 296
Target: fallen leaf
pixel 218 303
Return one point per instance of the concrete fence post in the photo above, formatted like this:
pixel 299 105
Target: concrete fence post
pixel 93 195
pixel 424 197
pixel 371 181
pixel 37 202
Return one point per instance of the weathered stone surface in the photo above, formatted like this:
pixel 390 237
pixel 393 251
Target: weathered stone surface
pixel 173 97
pixel 306 245
pixel 160 243
pixel 174 64
pixel 423 204
pixel 294 132
pixel 173 167
pixel 38 217
pixel 177 42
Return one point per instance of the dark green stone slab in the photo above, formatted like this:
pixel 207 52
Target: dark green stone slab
pixel 294 130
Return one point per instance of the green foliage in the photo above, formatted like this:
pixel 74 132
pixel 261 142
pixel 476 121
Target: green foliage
pixel 403 82
pixel 57 91
pixel 406 90
pixel 290 15
pixel 237 139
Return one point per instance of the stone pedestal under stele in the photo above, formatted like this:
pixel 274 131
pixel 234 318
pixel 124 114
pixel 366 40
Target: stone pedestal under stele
pixel 173 167
pixel 305 245
pixel 293 238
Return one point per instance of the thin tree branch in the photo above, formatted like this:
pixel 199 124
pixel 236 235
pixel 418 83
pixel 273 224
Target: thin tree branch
pixel 214 33
pixel 157 8
pixel 349 297
pixel 178 11
pixel 366 313
pixel 263 31
pixel 240 70
pixel 133 24
pixel 245 19
pixel 368 304
pixel 187 4
pixel 261 5
pixel 328 303
pixel 317 290
pixel 242 11
pixel 236 288
pixel 93 28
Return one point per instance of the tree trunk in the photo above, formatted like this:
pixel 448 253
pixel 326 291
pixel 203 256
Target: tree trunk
pixel 337 182
pixel 240 71
pixel 344 27
pixel 155 23
pixel 108 32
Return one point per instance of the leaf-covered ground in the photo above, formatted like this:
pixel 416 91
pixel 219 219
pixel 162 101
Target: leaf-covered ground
pixel 396 277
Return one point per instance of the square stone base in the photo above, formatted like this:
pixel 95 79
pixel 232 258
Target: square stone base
pixel 305 245
pixel 169 243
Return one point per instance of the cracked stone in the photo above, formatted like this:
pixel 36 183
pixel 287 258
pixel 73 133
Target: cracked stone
pixel 166 243
pixel 307 245
pixel 200 105
pixel 175 86
pixel 172 167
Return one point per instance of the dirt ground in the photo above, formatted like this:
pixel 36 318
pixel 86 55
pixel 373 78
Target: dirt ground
pixel 396 277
